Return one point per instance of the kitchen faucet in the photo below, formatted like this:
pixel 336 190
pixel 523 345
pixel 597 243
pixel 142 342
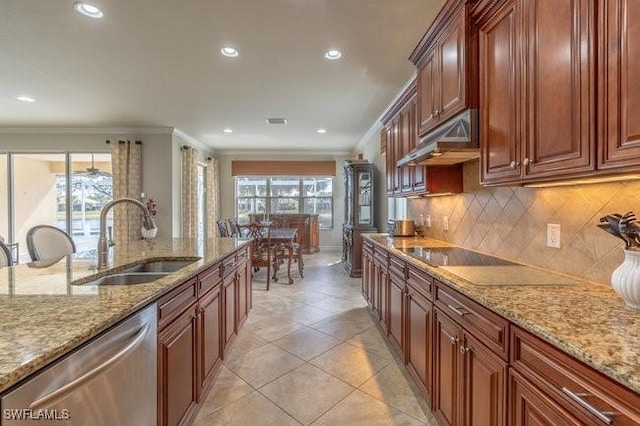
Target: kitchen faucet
pixel 103 247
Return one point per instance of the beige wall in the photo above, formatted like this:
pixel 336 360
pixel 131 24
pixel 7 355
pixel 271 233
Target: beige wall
pixel 329 238
pixel 4 219
pixel 511 222
pixel 370 149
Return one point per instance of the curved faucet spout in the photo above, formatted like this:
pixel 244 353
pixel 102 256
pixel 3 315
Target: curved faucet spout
pixel 103 247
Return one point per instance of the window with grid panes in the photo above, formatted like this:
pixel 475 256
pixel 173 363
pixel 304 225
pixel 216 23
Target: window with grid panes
pixel 285 195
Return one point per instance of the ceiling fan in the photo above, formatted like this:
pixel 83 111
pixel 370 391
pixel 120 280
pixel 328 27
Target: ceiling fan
pixel 93 170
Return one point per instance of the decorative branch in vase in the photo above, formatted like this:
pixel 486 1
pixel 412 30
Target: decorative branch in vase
pixel 150 234
pixel 625 279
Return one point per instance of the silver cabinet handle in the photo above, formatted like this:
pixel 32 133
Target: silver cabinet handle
pixel 579 398
pixel 458 311
pixel 454 339
pixel 131 346
pixel 464 350
pixel 514 164
pixel 526 162
pixel 431 116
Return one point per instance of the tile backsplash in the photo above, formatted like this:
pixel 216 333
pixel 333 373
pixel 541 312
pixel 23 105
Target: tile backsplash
pixel 511 222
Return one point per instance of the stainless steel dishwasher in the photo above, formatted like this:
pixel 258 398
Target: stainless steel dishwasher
pixel 111 380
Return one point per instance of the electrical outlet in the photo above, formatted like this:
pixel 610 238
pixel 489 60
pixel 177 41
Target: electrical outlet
pixel 553 235
pixel 445 223
pixel 427 221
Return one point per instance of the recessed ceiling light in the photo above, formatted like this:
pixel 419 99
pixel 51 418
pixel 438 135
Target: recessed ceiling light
pixel 24 98
pixel 88 10
pixel 227 130
pixel 322 131
pixel 332 54
pixel 229 52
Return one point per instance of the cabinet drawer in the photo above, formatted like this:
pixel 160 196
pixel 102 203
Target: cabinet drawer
pixel 175 302
pixel 381 257
pixel 209 278
pixel 420 281
pixel 585 392
pixel 367 246
pixel 398 267
pixel 491 327
pixel 229 265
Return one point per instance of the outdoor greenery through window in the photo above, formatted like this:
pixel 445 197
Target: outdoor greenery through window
pixel 282 195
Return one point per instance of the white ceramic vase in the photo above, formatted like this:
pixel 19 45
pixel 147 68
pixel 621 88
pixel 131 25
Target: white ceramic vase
pixel 625 279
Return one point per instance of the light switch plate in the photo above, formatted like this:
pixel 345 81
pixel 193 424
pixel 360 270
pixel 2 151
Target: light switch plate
pixel 427 221
pixel 553 235
pixel 445 223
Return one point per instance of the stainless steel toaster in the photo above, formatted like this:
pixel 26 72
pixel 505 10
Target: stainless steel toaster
pixel 400 228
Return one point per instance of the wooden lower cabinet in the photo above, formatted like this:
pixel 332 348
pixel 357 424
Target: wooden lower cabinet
pixel 484 384
pixel 446 369
pixel 530 406
pixel 197 321
pixel 210 328
pixel 229 291
pixel 178 364
pixel 476 368
pixel 419 343
pixel 396 314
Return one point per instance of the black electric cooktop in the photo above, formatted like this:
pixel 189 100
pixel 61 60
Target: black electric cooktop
pixel 453 256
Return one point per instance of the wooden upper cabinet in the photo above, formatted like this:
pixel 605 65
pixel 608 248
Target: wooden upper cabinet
pixel 559 86
pixel 446 84
pixel 619 87
pixel 499 124
pixel 537 89
pixel 427 95
pixel 451 69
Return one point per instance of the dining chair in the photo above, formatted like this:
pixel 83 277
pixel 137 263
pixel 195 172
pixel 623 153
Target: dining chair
pixel 233 226
pixel 296 246
pixel 223 228
pixel 5 255
pixel 262 255
pixel 48 242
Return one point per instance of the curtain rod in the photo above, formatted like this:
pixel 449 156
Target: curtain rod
pixel 136 142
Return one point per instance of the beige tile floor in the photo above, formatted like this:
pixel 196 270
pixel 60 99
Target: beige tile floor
pixel 311 354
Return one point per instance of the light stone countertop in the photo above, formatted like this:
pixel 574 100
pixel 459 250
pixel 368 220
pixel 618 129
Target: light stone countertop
pixel 43 316
pixel 587 320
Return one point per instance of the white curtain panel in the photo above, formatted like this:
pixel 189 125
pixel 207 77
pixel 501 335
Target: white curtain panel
pixel 213 196
pixel 126 159
pixel 189 192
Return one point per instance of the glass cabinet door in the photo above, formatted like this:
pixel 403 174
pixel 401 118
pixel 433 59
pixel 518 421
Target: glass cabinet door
pixel 364 198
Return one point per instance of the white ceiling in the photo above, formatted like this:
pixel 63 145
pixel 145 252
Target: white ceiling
pixel 157 63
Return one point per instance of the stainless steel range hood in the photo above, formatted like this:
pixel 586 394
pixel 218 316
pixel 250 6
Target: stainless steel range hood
pixel 455 141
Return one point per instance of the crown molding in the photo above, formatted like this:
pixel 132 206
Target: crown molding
pixel 289 155
pixel 190 140
pixel 377 124
pixel 88 130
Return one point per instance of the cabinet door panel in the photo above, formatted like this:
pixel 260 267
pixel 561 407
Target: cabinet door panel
pixel 451 70
pixel 499 108
pixel 419 342
pixel 178 369
pixel 210 326
pixel 229 304
pixel 445 375
pixel 405 147
pixel 619 90
pixel 559 86
pixel 530 407
pixel 485 385
pixel 426 93
pixel 396 312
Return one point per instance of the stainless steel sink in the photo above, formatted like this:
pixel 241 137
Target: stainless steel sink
pixel 141 273
pixel 129 278
pixel 170 265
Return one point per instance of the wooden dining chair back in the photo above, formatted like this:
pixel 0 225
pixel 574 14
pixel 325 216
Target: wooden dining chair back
pixel 233 227
pixel 6 259
pixel 223 228
pixel 262 255
pixel 297 247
